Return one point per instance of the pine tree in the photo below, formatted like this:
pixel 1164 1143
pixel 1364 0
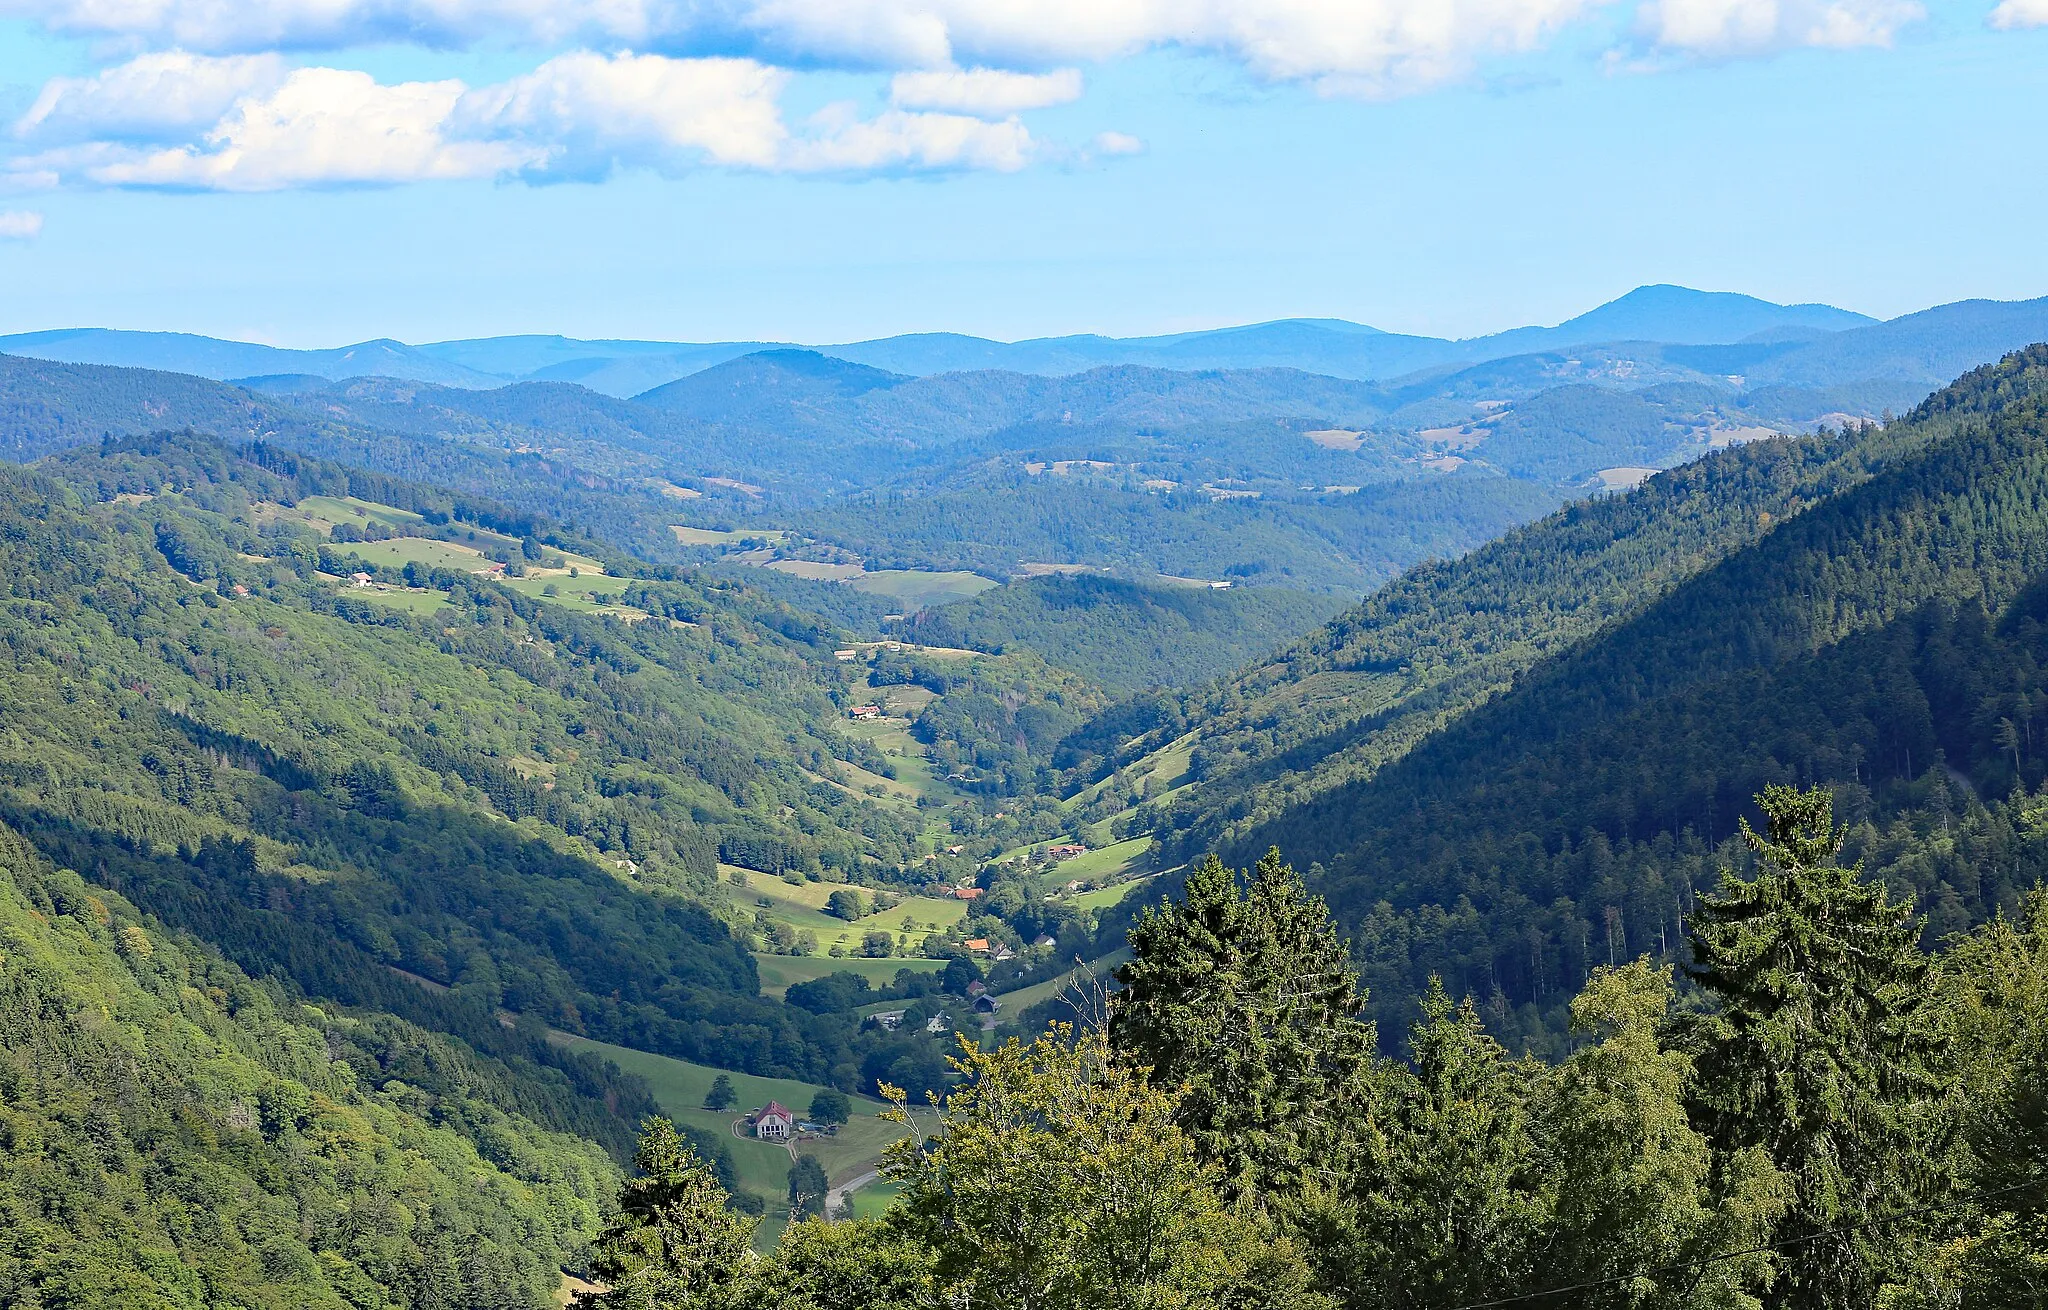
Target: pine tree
pixel 1244 998
pixel 1821 1052
pixel 674 1245
pixel 1445 1204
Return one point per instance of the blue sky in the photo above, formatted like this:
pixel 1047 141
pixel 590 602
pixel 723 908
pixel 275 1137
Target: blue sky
pixel 311 172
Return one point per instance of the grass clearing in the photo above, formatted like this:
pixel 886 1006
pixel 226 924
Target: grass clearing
pixel 1105 862
pixel 802 907
pixel 892 738
pixel 722 538
pixel 424 551
pixel 1104 897
pixel 874 1200
pixel 816 570
pixel 780 972
pixel 324 512
pixel 920 590
pixel 679 1088
pixel 1098 970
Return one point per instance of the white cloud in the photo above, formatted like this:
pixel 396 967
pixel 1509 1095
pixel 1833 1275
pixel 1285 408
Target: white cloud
pixel 324 127
pixel 984 92
pixel 166 96
pixel 593 111
pixel 20 225
pixel 1118 143
pixel 2011 15
pixel 895 140
pixel 577 116
pixel 1370 46
pixel 1727 29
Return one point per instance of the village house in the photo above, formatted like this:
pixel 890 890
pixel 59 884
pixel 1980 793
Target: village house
pixel 1066 852
pixel 845 656
pixel 938 1023
pixel 865 712
pixel 360 579
pixel 966 893
pixel 774 1124
pixel 978 945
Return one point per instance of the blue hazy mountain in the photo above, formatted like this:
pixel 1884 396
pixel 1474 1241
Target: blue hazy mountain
pixel 1331 347
pixel 208 357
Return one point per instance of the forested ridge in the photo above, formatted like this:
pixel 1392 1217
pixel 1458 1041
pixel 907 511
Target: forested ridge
pixel 1861 609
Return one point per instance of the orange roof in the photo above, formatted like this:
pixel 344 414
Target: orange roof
pixel 978 944
pixel 776 1109
pixel 966 893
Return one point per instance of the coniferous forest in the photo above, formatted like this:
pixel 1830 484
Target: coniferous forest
pixel 414 891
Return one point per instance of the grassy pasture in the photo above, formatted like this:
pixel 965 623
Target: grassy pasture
pixel 917 589
pixel 1104 862
pixel 1100 970
pixel 425 551
pixel 779 972
pixel 324 512
pixel 679 1088
pixel 721 538
pixel 815 570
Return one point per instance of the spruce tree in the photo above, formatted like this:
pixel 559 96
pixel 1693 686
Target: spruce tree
pixel 1821 1051
pixel 1242 995
pixel 673 1245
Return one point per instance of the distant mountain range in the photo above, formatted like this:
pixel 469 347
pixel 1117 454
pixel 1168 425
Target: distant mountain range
pixel 1666 314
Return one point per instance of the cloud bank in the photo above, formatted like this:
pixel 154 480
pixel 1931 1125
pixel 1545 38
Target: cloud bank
pixel 1361 47
pixel 252 127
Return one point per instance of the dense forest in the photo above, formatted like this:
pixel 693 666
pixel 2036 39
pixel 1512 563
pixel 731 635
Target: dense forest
pixel 1498 805
pixel 1816 1115
pixel 1125 635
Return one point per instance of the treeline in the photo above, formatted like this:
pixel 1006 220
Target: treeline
pixel 1817 1115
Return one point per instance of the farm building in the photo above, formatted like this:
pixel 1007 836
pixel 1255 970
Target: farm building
pixel 1066 852
pixel 966 893
pixel 774 1124
pixel 865 712
pixel 986 1004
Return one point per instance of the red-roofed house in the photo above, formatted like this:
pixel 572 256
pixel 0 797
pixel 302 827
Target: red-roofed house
pixel 979 945
pixel 774 1124
pixel 966 893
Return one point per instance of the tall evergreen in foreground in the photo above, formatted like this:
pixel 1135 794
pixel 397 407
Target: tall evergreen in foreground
pixel 1242 996
pixel 1822 1053
pixel 673 1245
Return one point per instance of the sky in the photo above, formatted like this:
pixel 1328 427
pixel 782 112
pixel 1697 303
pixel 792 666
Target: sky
pixel 316 172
